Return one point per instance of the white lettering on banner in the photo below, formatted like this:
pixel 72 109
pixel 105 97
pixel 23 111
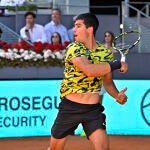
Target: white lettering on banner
pixel 22 121
pixel 25 105
pixel 28 103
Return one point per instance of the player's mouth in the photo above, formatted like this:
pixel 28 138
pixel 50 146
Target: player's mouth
pixel 75 36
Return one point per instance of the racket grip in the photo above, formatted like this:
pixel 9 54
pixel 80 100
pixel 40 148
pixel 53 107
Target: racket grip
pixel 123 59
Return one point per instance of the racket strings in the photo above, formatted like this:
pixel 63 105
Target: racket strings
pixel 122 46
pixel 126 41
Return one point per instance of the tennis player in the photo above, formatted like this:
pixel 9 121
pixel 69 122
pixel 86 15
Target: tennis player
pixel 87 64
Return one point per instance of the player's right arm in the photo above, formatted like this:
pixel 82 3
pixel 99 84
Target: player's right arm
pixel 78 55
pixel 94 70
pixel 91 70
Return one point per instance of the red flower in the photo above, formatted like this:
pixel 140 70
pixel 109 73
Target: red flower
pixel 48 46
pixel 25 45
pixel 2 43
pixel 17 46
pixel 66 43
pixel 38 47
pixel 58 47
pixel 7 46
pixel 54 47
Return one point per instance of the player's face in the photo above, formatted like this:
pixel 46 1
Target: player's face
pixel 80 31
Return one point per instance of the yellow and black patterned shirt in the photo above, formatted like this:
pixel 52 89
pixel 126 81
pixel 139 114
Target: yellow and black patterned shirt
pixel 75 81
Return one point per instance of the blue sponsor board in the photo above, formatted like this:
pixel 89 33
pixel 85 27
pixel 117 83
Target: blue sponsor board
pixel 29 108
pixel 132 118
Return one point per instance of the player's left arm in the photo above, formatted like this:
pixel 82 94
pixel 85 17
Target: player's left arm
pixel 112 90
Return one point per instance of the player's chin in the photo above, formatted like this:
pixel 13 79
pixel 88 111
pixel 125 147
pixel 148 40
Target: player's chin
pixel 77 39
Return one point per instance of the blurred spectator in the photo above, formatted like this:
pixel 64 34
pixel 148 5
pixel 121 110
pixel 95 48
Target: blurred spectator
pixel 32 32
pixel 70 31
pixel 56 26
pixel 108 40
pixel 56 38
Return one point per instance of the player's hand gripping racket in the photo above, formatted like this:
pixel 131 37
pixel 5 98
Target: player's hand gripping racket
pixel 126 41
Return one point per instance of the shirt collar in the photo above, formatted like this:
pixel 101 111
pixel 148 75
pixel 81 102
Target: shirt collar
pixel 54 23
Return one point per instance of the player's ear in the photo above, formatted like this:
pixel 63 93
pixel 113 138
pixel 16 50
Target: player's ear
pixel 90 30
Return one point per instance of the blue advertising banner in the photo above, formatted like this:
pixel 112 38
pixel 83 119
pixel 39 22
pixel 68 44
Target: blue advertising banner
pixel 29 107
pixel 133 118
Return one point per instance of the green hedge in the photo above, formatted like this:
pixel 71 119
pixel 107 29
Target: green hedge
pixel 31 7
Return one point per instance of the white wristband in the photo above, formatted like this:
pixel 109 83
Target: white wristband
pixel 123 59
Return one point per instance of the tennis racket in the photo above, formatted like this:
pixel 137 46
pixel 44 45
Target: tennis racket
pixel 126 41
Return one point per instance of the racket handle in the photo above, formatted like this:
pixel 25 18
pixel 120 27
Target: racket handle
pixel 123 59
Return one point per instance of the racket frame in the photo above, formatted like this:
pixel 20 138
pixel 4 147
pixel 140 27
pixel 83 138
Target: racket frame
pixel 126 50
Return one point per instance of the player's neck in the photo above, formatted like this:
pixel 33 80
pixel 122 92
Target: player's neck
pixel 91 43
